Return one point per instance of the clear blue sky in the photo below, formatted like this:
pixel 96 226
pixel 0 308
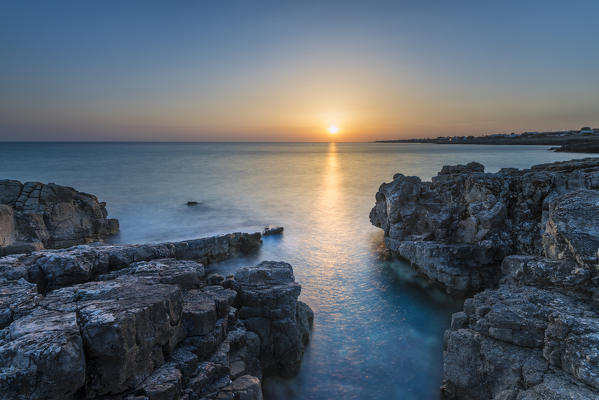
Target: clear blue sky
pixel 252 70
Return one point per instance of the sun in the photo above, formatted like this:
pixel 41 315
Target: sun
pixel 333 129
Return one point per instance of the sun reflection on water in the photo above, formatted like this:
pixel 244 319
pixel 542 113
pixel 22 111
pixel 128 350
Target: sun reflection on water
pixel 330 222
pixel 330 194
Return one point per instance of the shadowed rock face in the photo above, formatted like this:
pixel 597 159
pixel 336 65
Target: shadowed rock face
pixel 134 322
pixel 34 216
pixel 530 238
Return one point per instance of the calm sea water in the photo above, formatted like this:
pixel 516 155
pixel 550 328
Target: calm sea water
pixel 378 329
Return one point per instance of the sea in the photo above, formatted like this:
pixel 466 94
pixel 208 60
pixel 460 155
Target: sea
pixel 378 327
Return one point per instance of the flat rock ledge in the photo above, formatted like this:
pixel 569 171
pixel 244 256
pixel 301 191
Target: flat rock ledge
pixel 146 322
pixel 34 216
pixel 525 243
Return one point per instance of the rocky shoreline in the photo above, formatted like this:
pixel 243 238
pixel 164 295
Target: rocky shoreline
pixel 525 243
pixel 135 322
pixel 147 322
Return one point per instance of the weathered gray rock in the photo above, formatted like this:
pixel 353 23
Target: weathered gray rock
pixel 532 237
pixel 572 228
pixel 42 357
pixel 34 215
pixel 199 313
pixel 164 383
pixel 52 269
pixel 17 298
pixel 268 295
pixel 474 219
pixel 186 274
pixel 151 329
pixel 217 248
pixel 127 327
pixel 512 339
pixel 562 275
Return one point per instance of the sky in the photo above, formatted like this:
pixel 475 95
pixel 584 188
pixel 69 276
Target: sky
pixel 287 70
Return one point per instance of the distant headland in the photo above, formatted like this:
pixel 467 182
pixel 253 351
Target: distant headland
pixel 584 140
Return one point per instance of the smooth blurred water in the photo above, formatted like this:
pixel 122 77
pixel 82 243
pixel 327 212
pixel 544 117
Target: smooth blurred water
pixel 378 329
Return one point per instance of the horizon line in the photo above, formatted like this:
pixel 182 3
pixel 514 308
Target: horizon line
pixel 179 141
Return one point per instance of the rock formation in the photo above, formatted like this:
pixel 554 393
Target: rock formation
pixel 34 216
pixel 527 242
pixel 458 228
pixel 145 322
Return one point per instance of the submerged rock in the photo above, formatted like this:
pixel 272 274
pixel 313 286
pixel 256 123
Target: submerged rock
pixel 530 238
pixel 272 230
pixel 135 322
pixel 34 216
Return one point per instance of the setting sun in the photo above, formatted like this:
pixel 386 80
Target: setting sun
pixel 333 129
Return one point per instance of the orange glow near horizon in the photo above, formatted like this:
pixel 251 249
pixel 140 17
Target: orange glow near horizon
pixel 291 72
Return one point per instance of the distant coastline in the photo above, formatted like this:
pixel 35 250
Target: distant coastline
pixel 585 140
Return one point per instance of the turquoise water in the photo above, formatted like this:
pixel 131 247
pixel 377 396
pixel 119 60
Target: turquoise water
pixel 378 329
